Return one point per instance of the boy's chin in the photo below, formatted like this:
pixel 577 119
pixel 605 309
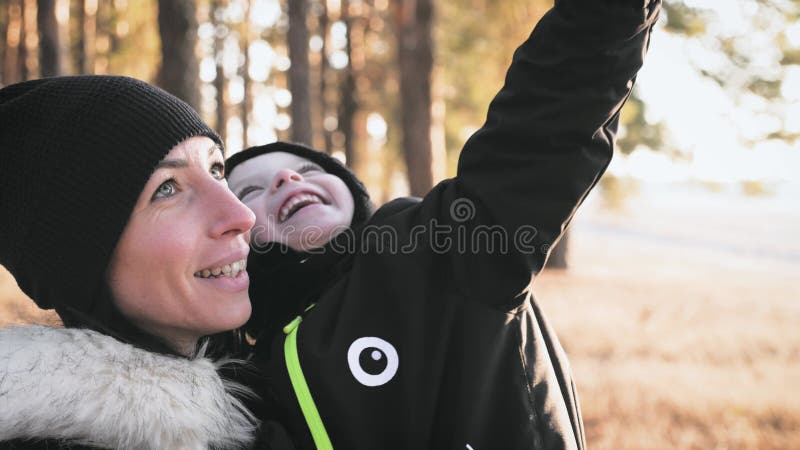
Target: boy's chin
pixel 308 238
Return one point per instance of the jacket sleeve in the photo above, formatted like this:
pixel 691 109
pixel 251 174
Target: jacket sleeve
pixel 549 134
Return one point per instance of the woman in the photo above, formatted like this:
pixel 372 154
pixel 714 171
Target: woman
pixel 117 215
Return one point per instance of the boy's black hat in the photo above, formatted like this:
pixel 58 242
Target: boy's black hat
pixel 363 206
pixel 75 153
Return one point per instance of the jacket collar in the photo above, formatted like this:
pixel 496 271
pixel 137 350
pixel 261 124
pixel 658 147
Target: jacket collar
pixel 86 387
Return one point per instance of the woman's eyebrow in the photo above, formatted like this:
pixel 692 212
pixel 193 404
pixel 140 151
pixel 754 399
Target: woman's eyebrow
pixel 214 148
pixel 181 163
pixel 172 164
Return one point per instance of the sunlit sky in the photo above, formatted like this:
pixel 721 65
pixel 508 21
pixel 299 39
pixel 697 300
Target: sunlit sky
pixel 703 120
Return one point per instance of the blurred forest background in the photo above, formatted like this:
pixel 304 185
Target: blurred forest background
pixel 681 302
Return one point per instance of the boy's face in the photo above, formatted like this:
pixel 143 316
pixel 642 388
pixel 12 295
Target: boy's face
pixel 295 201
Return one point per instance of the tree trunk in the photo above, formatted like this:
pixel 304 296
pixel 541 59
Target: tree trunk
pixel 119 13
pixel 438 131
pixel 80 40
pixel 87 18
pixel 3 42
pixel 415 59
pixel 327 134
pixel 348 102
pixel 14 35
pixel 104 23
pixel 219 80
pixel 558 254
pixel 25 48
pixel 299 72
pixel 245 106
pixel 177 25
pixel 49 43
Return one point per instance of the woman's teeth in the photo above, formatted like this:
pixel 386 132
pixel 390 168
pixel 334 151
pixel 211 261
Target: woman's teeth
pixel 296 203
pixel 228 270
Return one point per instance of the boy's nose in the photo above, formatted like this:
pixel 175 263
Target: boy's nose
pixel 284 176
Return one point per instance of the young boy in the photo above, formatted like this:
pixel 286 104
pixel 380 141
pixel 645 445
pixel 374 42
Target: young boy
pixel 424 332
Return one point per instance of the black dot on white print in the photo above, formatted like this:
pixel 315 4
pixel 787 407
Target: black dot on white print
pixel 372 361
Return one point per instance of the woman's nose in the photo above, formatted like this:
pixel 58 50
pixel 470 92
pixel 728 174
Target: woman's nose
pixel 232 216
pixel 284 176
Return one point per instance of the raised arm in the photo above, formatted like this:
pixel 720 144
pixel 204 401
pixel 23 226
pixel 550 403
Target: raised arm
pixel 550 131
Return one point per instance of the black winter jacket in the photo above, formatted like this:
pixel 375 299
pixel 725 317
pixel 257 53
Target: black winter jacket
pixel 431 339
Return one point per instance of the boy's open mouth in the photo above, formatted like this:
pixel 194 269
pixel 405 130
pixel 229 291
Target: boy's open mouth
pixel 296 203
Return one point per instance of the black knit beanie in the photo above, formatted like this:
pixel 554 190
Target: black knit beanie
pixel 283 281
pixel 75 154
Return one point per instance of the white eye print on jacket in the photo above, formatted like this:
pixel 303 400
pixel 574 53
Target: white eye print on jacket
pixel 378 351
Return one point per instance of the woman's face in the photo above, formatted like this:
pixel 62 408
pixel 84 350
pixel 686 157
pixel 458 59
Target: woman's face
pixel 178 269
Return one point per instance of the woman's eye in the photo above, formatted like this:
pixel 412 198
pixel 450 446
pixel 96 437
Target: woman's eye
pixel 218 171
pixel 248 190
pixel 166 189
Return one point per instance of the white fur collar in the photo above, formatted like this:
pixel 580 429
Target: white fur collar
pixel 87 387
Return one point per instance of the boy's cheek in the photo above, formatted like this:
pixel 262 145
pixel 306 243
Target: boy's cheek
pixel 259 210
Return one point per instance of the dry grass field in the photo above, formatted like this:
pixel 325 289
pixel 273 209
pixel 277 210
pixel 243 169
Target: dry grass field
pixel 675 343
pixel 681 343
pixel 700 361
